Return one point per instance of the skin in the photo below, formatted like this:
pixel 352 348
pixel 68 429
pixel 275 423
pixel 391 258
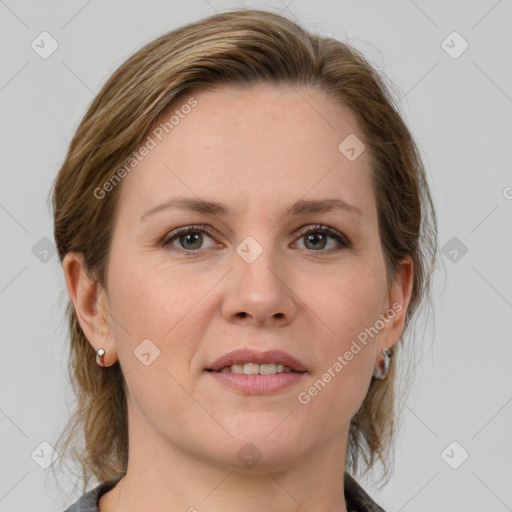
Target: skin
pixel 257 151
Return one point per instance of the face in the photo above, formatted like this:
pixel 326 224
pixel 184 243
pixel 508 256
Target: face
pixel 287 266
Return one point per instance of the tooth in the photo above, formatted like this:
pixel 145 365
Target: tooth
pixel 255 368
pixel 251 368
pixel 267 369
pixel 237 368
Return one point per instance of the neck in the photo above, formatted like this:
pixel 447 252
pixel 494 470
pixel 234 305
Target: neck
pixel 168 479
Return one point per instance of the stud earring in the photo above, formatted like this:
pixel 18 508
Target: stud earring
pixel 99 354
pixel 381 370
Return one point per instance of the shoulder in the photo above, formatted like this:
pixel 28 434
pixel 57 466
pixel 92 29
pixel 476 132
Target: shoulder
pixel 88 502
pixel 356 498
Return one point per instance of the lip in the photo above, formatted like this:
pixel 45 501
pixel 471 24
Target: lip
pixel 252 356
pixel 257 384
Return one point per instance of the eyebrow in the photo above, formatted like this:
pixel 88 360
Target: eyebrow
pixel 214 208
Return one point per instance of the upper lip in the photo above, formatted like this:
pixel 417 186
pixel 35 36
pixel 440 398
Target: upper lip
pixel 251 356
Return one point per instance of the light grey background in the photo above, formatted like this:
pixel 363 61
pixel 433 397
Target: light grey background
pixel 459 109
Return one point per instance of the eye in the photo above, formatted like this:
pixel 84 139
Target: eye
pixel 189 238
pixel 316 238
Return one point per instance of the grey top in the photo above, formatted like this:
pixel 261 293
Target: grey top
pixel 88 502
pixel 356 499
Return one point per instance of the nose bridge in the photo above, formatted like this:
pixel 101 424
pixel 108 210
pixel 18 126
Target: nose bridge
pixel 258 287
pixel 256 266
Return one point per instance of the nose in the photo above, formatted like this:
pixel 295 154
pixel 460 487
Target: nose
pixel 259 293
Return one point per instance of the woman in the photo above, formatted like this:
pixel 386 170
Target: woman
pixel 246 232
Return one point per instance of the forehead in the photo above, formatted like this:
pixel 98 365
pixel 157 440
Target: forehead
pixel 248 147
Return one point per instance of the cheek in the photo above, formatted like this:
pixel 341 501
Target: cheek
pixel 348 302
pixel 154 300
pixel 348 307
pixel 337 386
pixel 334 397
pixel 156 336
pixel 149 315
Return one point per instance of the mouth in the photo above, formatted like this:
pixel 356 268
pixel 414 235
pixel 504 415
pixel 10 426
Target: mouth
pixel 254 373
pixel 255 369
pixel 250 362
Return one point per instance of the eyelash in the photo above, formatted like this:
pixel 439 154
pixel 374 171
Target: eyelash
pixel 319 228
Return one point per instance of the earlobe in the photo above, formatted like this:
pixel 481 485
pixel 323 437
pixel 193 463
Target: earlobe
pixel 91 307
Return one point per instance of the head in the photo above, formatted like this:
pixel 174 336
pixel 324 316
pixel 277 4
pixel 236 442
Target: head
pixel 248 110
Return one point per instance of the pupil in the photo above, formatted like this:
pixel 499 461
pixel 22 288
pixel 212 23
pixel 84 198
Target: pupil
pixel 190 236
pixel 312 237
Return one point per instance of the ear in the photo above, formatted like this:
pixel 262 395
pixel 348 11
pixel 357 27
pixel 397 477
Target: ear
pixel 91 305
pixel 396 304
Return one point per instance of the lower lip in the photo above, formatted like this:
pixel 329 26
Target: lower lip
pixel 258 384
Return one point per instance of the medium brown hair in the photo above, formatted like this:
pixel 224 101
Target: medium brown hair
pixel 239 48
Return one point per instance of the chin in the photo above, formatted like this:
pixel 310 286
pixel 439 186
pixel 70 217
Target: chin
pixel 255 458
pixel 259 449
